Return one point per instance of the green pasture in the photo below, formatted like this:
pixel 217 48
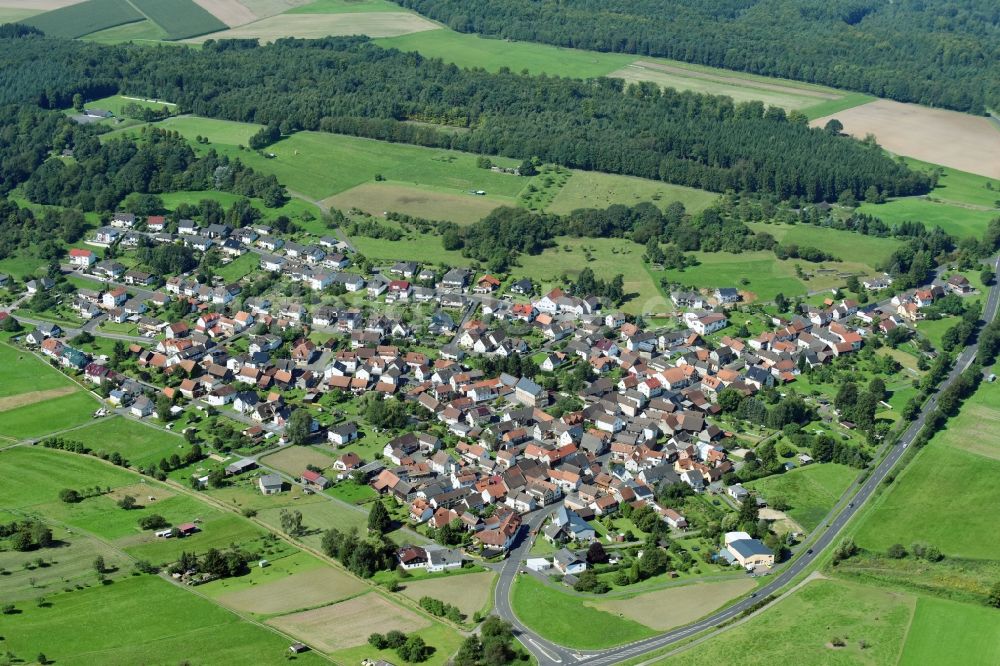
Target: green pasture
pixel 767 275
pixel 49 416
pixel 137 442
pixel 845 245
pixel 950 632
pixel 24 372
pixel 345 7
pixel 955 219
pixel 137 31
pixel 592 189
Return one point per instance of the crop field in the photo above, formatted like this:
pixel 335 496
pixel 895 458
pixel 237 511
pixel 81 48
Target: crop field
pixel 802 627
pixel 137 442
pixel 810 491
pixel 591 189
pixel 349 623
pixel 945 631
pixel 940 483
pixel 558 617
pixel 150 617
pixel 86 17
pixel 606 257
pixel 469 592
pixel 15 14
pixel 846 245
pixel 312 26
pixel 179 18
pixel 291 583
pixel 377 198
pixel 137 31
pixel 957 140
pixel 293 460
pixel 674 606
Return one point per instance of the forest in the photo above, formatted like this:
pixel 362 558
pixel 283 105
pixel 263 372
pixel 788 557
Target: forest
pixel 351 86
pixel 940 53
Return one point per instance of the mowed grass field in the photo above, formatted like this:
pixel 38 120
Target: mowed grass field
pixel 976 428
pixel 378 198
pixel 810 491
pixel 296 582
pixel 51 415
pixel 143 620
pixel 319 164
pixel 24 372
pixel 949 632
pixel 801 628
pixel 470 592
pixel 591 189
pixel 469 50
pixel 349 623
pixel 312 26
pixel 137 442
pixel 674 606
pixel 564 618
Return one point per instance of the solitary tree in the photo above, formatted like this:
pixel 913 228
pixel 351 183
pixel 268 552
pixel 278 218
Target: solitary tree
pixel 379 520
pixel 99 566
pixel 298 426
pixel 127 502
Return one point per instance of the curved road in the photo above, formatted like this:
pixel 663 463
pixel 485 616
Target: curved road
pixel 549 654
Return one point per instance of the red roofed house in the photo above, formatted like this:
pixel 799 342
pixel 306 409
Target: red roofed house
pixel 81 257
pixel 313 479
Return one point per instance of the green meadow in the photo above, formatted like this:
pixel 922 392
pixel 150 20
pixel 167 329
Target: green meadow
pixel 24 372
pixel 949 632
pixel 810 491
pixel 871 622
pixel 845 245
pixel 941 484
pixel 137 442
pixel 766 275
pixel 142 620
pixel 559 617
pixel 592 189
pixel 48 416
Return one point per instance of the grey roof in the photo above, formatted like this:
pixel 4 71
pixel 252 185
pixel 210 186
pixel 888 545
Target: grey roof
pixel 270 480
pixel 750 547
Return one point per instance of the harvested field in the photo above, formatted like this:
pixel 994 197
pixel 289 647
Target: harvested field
pixel 665 609
pixel 349 623
pixel 294 459
pixel 469 592
pixel 312 26
pixel 230 12
pixel 300 590
pixel 377 198
pixel 957 140
pixel 741 88
pixel 14 401
pixel 265 8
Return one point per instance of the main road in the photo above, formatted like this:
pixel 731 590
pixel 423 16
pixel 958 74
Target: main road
pixel 550 654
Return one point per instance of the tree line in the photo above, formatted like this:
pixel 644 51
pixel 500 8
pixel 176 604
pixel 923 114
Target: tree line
pixel 351 86
pixel 942 53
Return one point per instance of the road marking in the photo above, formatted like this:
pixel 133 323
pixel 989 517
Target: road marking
pixel 545 652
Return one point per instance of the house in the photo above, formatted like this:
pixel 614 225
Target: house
pixel 412 557
pixel 123 220
pixel 727 295
pixel 142 407
pixel 270 484
pixel 522 287
pixel 959 284
pixel 348 462
pixel 81 257
pixel 456 278
pixel 343 433
pixel 107 236
pixel 486 285
pixel 709 323
pixel 568 563
pixel 313 479
pixel 529 393
pixel 443 559
pixel 748 552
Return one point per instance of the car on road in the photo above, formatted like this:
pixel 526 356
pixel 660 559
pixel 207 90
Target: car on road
pixel 809 552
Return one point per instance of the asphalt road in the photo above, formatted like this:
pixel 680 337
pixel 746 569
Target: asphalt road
pixel 549 653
